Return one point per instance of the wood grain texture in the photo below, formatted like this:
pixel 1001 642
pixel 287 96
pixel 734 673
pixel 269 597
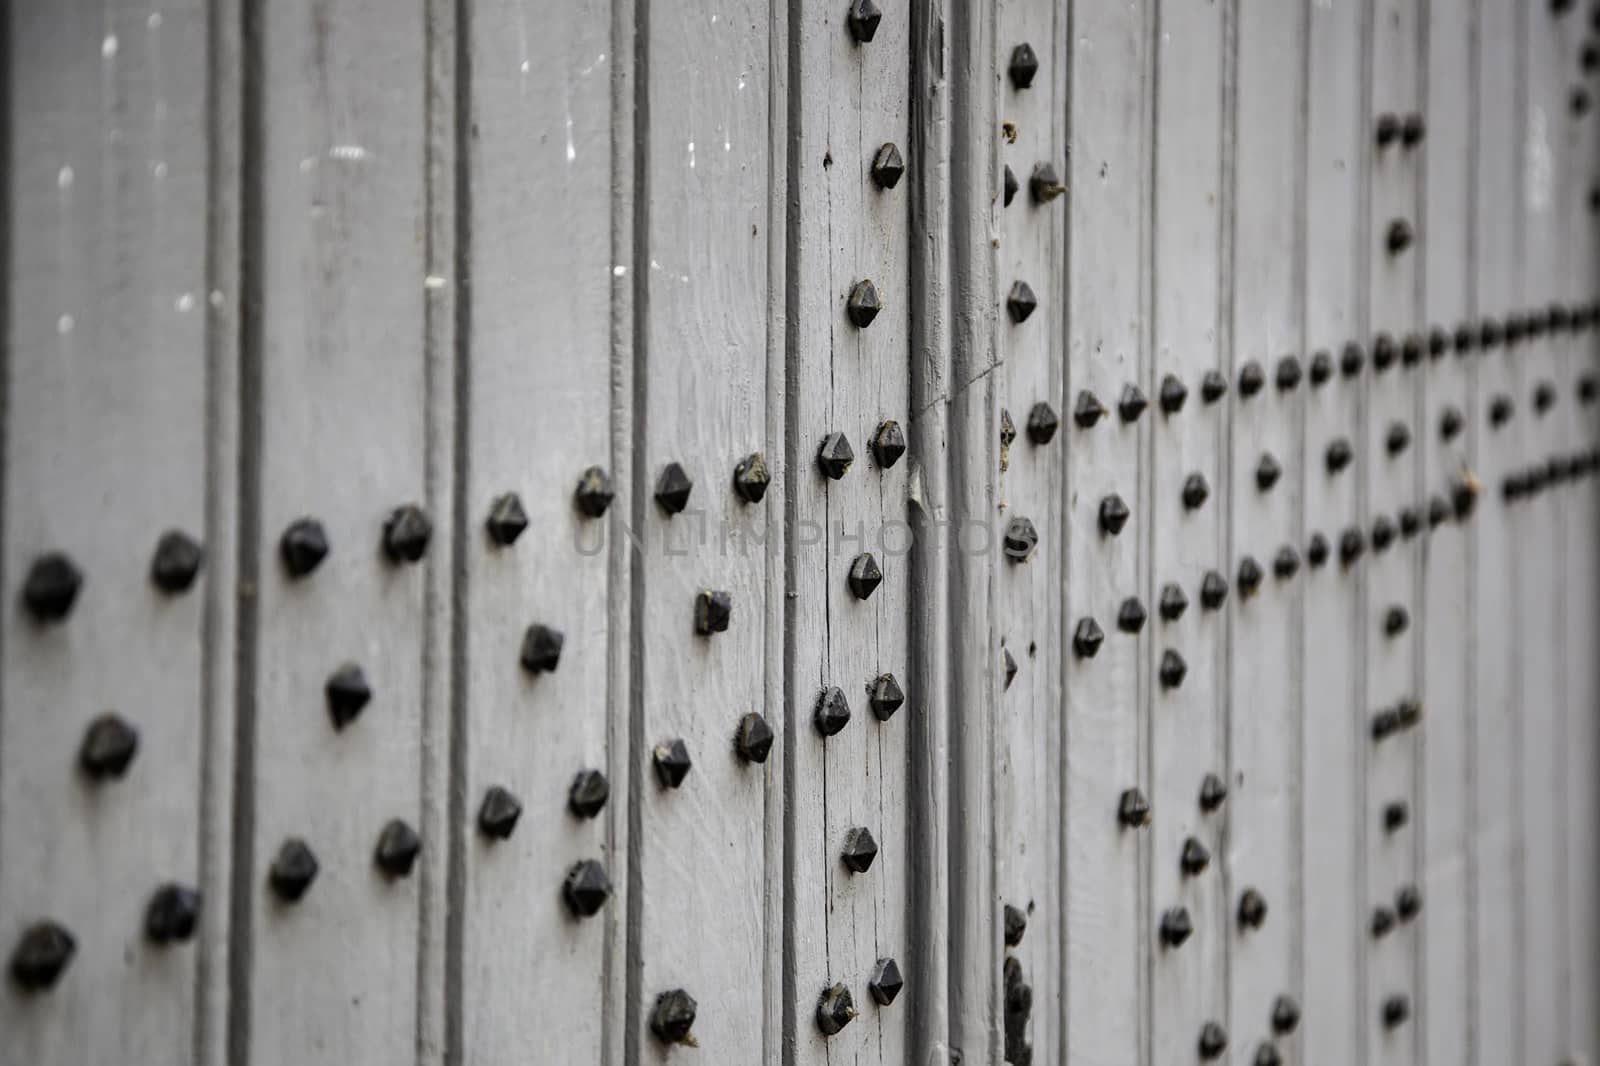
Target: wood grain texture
pixel 106 447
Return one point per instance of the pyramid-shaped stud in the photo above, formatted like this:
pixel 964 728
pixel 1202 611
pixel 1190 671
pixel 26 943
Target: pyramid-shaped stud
pixel 751 477
pixel 1176 927
pixel 1008 431
pixel 1088 410
pixel 887 166
pixel 51 587
pixel 835 1009
pixel 176 562
pixel 1008 187
pixel 1251 379
pixel 886 982
pixel 108 746
pixel 885 697
pixel 1385 353
pixel 1087 638
pixel 1133 810
pixel 1396 620
pixel 1317 551
pixel 398 848
pixel 1008 667
pixel 1252 909
pixel 1399 237
pixel 863 305
pixel 1195 491
pixel 1044 184
pixel 859 850
pixel 1113 515
pixel 1016 925
pixel 1131 404
pixel 1383 533
pixel 498 813
pixel 586 888
pixel 1173 602
pixel 1020 539
pixel 1213 793
pixel 835 456
pixel 1173 394
pixel 1285 1015
pixel 1438 511
pixel 292 870
pixel 1213 590
pixel 672 1017
pixel 832 713
pixel 303 546
pixel 753 739
pixel 1438 343
pixel 865 576
pixel 1195 857
pixel 673 488
pixel 42 955
pixel 888 444
pixel 863 18
pixel 1213 1041
pixel 587 795
pixel 1382 922
pixel 1249 576
pixel 1451 423
pixel 347 693
pixel 1352 359
pixel 1398 438
pixel 541 649
pixel 1023 66
pixel 406 533
pixel 713 611
pixel 593 493
pixel 1407 903
pixel 1338 455
pixel 672 762
pixel 1288 374
pixel 1268 471
pixel 1410 522
pixel 172 915
pixel 1172 670
pixel 1321 369
pixel 1131 615
pixel 1042 423
pixel 1352 543
pixel 506 519
pixel 1213 386
pixel 1286 563
pixel 1021 302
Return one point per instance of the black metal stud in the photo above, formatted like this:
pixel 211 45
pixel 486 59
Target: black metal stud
pixel 1213 590
pixel 1176 927
pixel 1113 515
pixel 108 746
pixel 1382 922
pixel 1388 129
pixel 1398 439
pixel 859 850
pixel 1544 397
pixel 51 586
pixel 1132 403
pixel 1385 724
pixel 1044 184
pixel 1490 333
pixel 1464 490
pixel 835 1009
pixel 673 488
pixel 1465 338
pixel 1383 532
pixel 672 762
pixel 1286 563
pixel 751 478
pixel 1267 1055
pixel 1195 491
pixel 835 455
pixel 1438 511
pixel 1131 615
pixel 1407 903
pixel 1251 379
pixel 1587 390
pixel 506 519
pixel 1088 410
pixel 1288 374
pixel 885 697
pixel 1008 664
pixel 713 611
pixel 1213 386
pixel 293 870
pixel 888 444
pixel 1384 352
pixel 398 848
pixel 1438 343
pixel 303 546
pixel 1016 924
pixel 1213 1041
pixel 586 888
pixel 863 19
pixel 1412 130
pixel 887 166
pixel 1009 186
pixel 885 983
pixel 42 955
pixel 1396 620
pixel 1411 350
pixel 1087 638
pixel 1285 1015
pixel 1352 359
pixel 1317 550
pixel 541 649
pixel 498 813
pixel 588 794
pixel 1451 423
pixel 172 914
pixel 1172 669
pixel 1399 237
pixel 1352 543
pixel 1173 602
pixel 1042 423
pixel 832 712
pixel 1249 576
pixel 1321 368
pixel 1252 909
pixel 865 575
pixel 1195 857
pixel 1338 455
pixel 1396 1011
pixel 1133 810
pixel 1023 66
pixel 347 693
pixel 672 1017
pixel 1213 793
pixel 1021 302
pixel 863 304
pixel 176 562
pixel 1172 394
pixel 593 493
pixel 1410 522
pixel 1020 539
pixel 1268 471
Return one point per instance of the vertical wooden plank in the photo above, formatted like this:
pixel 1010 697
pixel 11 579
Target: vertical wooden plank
pixel 1188 741
pixel 1439 826
pixel 851 105
pixel 1265 485
pixel 341 277
pixel 1496 1033
pixel 1106 972
pixel 704 203
pixel 1334 828
pixel 540 425
pixel 107 445
pixel 1028 780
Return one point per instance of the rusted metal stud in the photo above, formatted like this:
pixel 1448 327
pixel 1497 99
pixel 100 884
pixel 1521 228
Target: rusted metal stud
pixel 859 850
pixel 303 546
pixel 885 983
pixel 863 19
pixel 1352 543
pixel 1399 236
pixel 176 562
pixel 1321 370
pixel 1132 403
pixel 1016 924
pixel 1213 386
pixel 593 493
pixel 672 1018
pixel 887 166
pixel 713 611
pixel 51 586
pixel 1213 793
pixel 1383 532
pixel 863 304
pixel 673 488
pixel 1133 810
pixel 1268 471
pixel 1213 1041
pixel 1411 350
pixel 586 888
pixel 1009 186
pixel 1438 511
pixel 1087 638
pixel 108 746
pixel 888 444
pixel 1251 379
pixel 865 575
pixel 753 739
pixel 1396 1011
pixel 1397 439
pixel 292 870
pixel 1249 576
pixel 1288 374
pixel 1008 666
pixel 1042 423
pixel 1008 433
pixel 1464 490
pixel 588 793
pixel 1195 491
pixel 347 693
pixel 1172 669
pixel 1252 909
pixel 1410 522
pixel 1286 563
pixel 1023 66
pixel 885 696
pixel 1382 921
pixel 1384 352
pixel 1020 539
pixel 398 848
pixel 1451 422
pixel 1172 394
pixel 172 914
pixel 1044 184
pixel 1021 302
pixel 506 519
pixel 498 813
pixel 672 762
pixel 1285 1015
pixel 1338 455
pixel 1438 343
pixel 1396 620
pixel 1113 515
pixel 1388 129
pixel 541 649
pixel 1317 550
pixel 1407 903
pixel 751 478
pixel 1267 1055
pixel 1131 615
pixel 1489 333
pixel 1173 602
pixel 1088 410
pixel 1195 857
pixel 1176 927
pixel 1213 590
pixel 42 955
pixel 835 455
pixel 1352 358
pixel 832 711
pixel 1544 397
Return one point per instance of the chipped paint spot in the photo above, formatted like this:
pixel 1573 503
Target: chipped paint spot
pixel 619 271
pixel 185 303
pixel 433 282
